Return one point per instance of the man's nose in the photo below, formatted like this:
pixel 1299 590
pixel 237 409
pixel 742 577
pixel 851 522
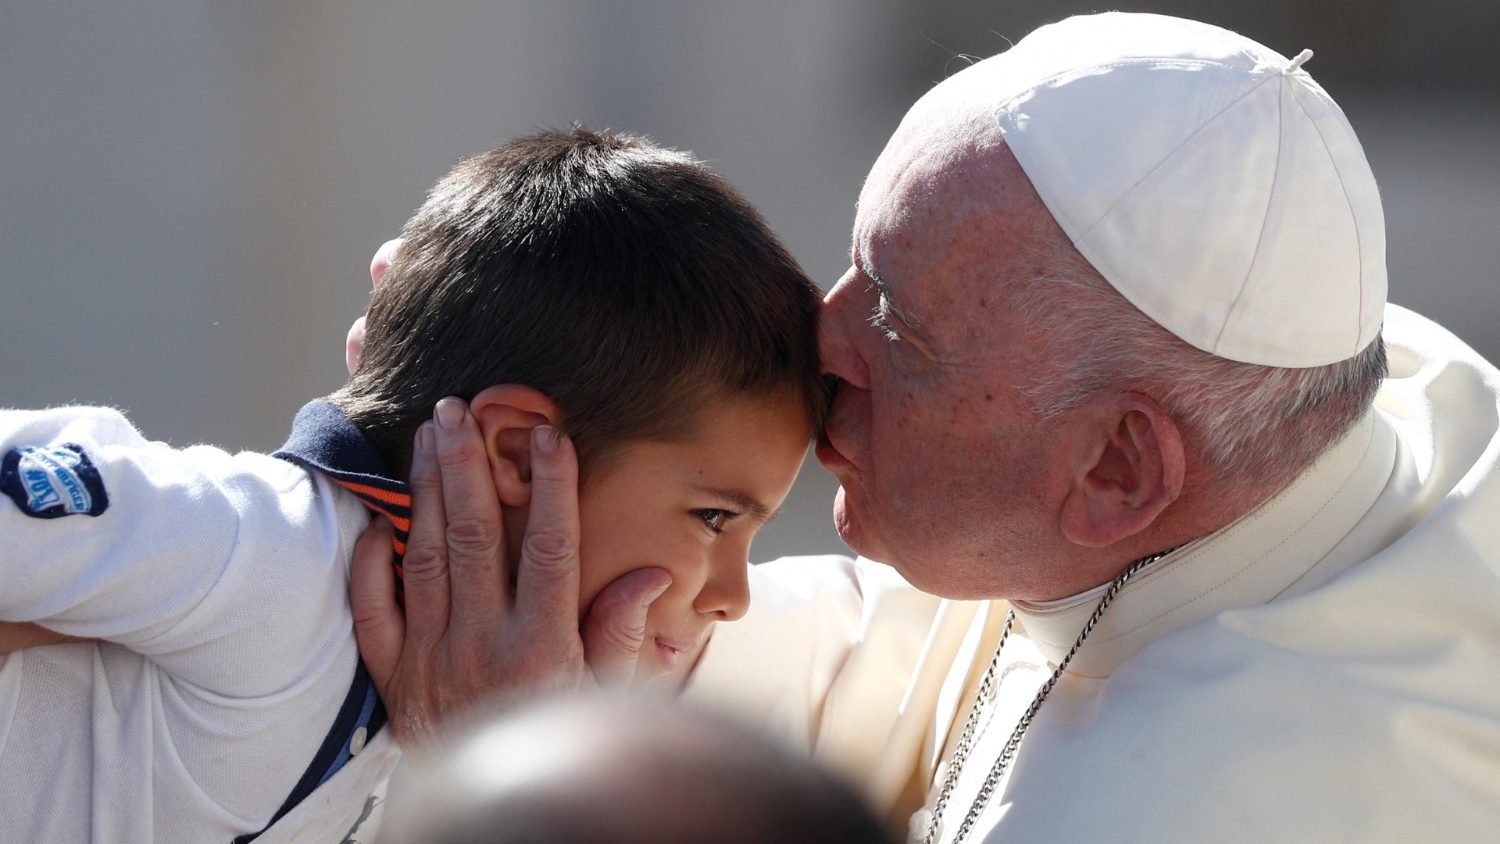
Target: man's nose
pixel 839 318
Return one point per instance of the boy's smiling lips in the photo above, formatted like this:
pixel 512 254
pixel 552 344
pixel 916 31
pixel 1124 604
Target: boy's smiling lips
pixel 671 649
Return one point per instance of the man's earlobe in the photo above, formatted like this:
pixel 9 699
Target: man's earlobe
pixel 507 413
pixel 1132 470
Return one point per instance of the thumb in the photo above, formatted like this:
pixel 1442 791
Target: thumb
pixel 354 345
pixel 384 257
pixel 379 624
pixel 615 627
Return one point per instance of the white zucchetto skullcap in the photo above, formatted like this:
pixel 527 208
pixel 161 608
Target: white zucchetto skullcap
pixel 1209 179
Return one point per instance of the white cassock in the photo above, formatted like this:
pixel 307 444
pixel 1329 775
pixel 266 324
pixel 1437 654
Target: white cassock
pixel 1327 668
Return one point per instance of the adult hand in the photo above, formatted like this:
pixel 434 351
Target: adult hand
pixel 16 636
pixel 354 341
pixel 464 636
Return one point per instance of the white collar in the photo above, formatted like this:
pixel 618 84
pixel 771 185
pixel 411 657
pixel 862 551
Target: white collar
pixel 1245 563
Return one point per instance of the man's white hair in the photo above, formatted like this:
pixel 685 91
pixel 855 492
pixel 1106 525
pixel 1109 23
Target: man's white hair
pixel 1247 423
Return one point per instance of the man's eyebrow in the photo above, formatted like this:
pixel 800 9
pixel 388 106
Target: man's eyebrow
pixel 856 260
pixel 885 293
pixel 740 502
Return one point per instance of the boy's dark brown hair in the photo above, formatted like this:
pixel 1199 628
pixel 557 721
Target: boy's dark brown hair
pixel 623 280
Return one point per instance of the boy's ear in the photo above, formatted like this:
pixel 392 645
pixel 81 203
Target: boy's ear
pixel 506 414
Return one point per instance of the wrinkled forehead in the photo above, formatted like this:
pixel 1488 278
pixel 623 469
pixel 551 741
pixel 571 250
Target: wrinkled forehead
pixel 946 130
pixel 946 183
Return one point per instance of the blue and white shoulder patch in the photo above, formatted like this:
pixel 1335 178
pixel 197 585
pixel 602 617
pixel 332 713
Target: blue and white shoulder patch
pixel 52 482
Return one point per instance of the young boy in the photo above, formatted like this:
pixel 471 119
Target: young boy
pixel 590 281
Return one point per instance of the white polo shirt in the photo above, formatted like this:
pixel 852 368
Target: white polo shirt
pixel 215 587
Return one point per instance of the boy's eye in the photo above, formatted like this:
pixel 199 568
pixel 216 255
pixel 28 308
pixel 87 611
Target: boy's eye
pixel 713 518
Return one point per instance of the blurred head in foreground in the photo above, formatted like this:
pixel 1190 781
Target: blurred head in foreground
pixel 591 770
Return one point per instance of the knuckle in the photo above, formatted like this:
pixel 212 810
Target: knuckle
pixel 549 473
pixel 367 620
pixel 423 565
pixel 624 638
pixel 455 454
pixel 549 547
pixel 472 536
pixel 563 660
pixel 480 667
pixel 620 642
pixel 424 481
pixel 616 627
pixel 536 660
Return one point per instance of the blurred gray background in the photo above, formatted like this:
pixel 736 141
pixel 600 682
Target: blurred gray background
pixel 190 191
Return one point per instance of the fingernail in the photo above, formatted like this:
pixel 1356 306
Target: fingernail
pixel 544 439
pixel 450 414
pixel 425 437
pixel 656 592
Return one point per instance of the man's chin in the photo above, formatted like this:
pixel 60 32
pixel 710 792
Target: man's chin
pixel 852 528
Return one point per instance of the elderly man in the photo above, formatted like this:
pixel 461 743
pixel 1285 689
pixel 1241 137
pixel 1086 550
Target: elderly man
pixel 1175 556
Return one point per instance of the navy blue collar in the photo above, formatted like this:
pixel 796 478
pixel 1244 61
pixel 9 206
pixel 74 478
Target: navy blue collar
pixel 323 440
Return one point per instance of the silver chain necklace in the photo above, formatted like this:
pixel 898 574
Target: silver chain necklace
pixel 986 694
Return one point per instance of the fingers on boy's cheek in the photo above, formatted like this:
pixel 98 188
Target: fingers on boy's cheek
pixel 423 449
pixel 455 428
pixel 382 260
pixel 620 613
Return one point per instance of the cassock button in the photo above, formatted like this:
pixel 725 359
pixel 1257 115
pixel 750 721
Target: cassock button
pixel 357 741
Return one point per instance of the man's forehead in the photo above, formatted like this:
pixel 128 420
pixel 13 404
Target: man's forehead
pixel 922 199
pixel 945 233
pixel 944 144
pixel 898 199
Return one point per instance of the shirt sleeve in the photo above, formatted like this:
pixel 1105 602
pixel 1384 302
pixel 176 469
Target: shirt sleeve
pixel 227 570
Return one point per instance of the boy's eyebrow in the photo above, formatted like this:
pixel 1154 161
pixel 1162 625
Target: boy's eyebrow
pixel 740 502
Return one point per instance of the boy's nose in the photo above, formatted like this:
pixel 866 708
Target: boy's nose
pixel 726 594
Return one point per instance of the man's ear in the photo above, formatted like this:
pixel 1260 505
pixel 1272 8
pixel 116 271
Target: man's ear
pixel 1127 468
pixel 506 415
